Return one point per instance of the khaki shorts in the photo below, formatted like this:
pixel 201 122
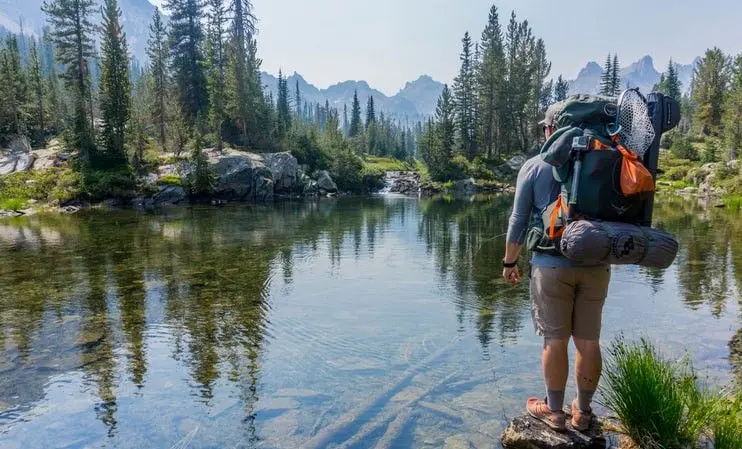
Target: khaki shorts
pixel 569 301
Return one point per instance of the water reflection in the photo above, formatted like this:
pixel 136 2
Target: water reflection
pixel 146 307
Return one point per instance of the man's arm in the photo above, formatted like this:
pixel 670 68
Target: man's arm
pixel 520 218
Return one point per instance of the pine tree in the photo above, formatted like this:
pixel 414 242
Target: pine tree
pixel 72 37
pixel 561 89
pixel 355 117
pixel 115 97
pixel 490 81
pixel 672 83
pixel 540 94
pixel 615 77
pixel 37 85
pixel 283 109
pixel 187 60
pixel 463 90
pixel 14 88
pixel 606 80
pixel 346 125
pixel 217 67
pixel 370 113
pixel 732 117
pixel 709 83
pixel 158 54
pixel 437 146
pixel 297 99
pixel 246 98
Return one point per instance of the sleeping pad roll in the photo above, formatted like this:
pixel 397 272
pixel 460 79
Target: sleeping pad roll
pixel 596 242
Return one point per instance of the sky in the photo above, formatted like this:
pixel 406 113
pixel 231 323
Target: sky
pixel 390 42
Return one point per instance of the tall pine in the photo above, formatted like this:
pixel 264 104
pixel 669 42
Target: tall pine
pixel 283 108
pixel 71 34
pixel 186 39
pixel 216 55
pixel 370 112
pixel 561 89
pixel 732 116
pixel 606 79
pixel 615 77
pixel 14 89
pixel 157 52
pixel 297 100
pixel 115 97
pixel 463 91
pixel 355 117
pixel 36 80
pixel 490 85
pixel 707 90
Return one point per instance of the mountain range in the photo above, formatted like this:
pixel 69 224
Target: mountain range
pixel 416 100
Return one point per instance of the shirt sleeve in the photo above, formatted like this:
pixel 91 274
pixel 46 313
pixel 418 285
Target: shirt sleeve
pixel 520 218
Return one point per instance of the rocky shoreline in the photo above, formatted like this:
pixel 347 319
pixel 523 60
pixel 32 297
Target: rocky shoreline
pixel 238 176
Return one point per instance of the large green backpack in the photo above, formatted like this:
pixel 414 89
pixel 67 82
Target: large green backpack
pixel 588 119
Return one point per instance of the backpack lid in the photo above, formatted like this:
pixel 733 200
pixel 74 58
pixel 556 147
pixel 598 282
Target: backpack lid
pixel 581 110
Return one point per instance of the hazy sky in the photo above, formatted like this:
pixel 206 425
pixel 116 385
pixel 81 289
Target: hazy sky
pixel 389 42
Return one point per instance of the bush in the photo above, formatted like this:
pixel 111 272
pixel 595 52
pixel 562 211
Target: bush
pixel 171 180
pixel 101 184
pixel 676 173
pixel 307 151
pixel 14 204
pixel 683 148
pixel 59 183
pixel 371 179
pixel 346 170
pixel 200 182
pixel 656 400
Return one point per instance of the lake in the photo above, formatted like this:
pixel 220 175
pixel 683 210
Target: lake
pixel 352 322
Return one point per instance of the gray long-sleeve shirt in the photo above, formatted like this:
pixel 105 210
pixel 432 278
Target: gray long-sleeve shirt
pixel 534 191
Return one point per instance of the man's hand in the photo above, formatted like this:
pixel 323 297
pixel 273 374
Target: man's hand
pixel 511 275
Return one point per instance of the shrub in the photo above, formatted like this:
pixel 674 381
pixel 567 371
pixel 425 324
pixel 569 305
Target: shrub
pixel 100 184
pixel 59 183
pixel 200 182
pixel 171 180
pixel 307 151
pixel 656 400
pixel 14 204
pixel 346 170
pixel 676 173
pixel 371 179
pixel 683 148
pixel 478 169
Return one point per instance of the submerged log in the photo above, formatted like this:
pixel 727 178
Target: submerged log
pixel 526 432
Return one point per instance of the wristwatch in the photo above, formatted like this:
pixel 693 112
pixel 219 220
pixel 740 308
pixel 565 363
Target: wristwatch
pixel 509 265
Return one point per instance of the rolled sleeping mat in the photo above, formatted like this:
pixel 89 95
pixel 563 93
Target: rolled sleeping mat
pixel 596 242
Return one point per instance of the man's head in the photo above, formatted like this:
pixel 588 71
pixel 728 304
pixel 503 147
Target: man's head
pixel 548 123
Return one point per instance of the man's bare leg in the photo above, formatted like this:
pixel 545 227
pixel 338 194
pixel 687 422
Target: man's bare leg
pixel 588 367
pixel 555 363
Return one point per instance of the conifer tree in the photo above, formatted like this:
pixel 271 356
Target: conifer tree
pixel 672 83
pixel 158 54
pixel 282 107
pixel 115 97
pixel 606 80
pixel 615 77
pixel 346 125
pixel 217 67
pixel 490 81
pixel 732 117
pixel 355 117
pixel 297 99
pixel 561 89
pixel 463 90
pixel 14 88
pixel 245 100
pixel 370 112
pixel 37 85
pixel 71 34
pixel 187 61
pixel 709 83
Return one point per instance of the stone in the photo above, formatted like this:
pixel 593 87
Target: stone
pixel 325 182
pixel 458 442
pixel 45 158
pixel 7 163
pixel 284 170
pixel 465 186
pixel 169 195
pixel 526 432
pixel 24 162
pixel 516 162
pixel 405 183
pixel 275 405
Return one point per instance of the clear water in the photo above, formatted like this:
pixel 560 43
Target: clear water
pixel 374 322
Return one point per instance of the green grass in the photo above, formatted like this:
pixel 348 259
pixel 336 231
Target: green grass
pixel 53 184
pixel 733 202
pixel 656 400
pixel 726 428
pixel 171 180
pixel 14 204
pixel 384 164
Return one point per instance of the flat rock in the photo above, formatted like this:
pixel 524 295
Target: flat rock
pixel 525 432
pixel 458 442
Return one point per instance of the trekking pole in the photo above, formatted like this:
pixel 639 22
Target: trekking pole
pixel 580 145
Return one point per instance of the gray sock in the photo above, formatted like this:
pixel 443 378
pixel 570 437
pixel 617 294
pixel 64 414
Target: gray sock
pixel 584 398
pixel 555 400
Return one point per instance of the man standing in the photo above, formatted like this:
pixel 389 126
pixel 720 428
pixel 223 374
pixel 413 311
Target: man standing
pixel 566 299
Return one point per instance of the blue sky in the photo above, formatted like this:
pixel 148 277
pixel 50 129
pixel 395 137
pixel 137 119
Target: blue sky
pixel 389 42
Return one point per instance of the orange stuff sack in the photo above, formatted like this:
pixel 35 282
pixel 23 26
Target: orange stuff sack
pixel 635 178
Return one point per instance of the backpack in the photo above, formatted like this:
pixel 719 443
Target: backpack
pixel 612 184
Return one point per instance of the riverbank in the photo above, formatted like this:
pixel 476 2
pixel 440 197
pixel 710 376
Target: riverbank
pixel 46 181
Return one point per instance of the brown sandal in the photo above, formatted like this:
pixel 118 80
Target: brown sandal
pixel 538 409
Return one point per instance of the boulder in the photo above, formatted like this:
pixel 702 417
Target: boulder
pixel 516 162
pixel 24 162
pixel 325 182
pixel 285 171
pixel 465 186
pixel 46 158
pixel 169 195
pixel 7 163
pixel 525 432
pixel 236 175
pixel 13 162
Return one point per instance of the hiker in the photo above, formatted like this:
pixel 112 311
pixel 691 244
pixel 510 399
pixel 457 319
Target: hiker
pixel 566 299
